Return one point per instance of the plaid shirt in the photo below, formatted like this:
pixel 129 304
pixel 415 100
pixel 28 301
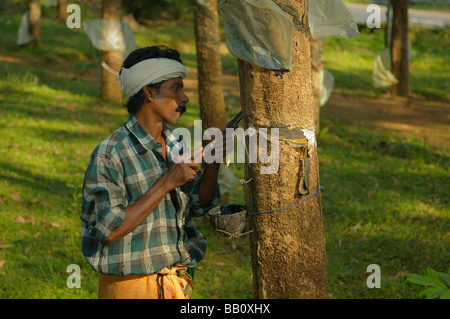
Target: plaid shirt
pixel 121 169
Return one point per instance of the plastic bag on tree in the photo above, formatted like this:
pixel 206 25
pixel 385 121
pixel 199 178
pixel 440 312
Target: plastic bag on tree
pixel 258 31
pixel 110 35
pixel 329 18
pixel 327 87
pixel 381 74
pixel 23 34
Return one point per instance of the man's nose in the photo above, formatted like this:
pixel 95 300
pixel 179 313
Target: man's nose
pixel 184 98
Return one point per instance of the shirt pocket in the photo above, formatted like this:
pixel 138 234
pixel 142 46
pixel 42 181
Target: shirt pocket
pixel 138 183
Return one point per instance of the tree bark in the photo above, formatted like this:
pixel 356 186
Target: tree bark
pixel 317 77
pixel 399 47
pixel 62 10
pixel 34 19
pixel 288 246
pixel 111 91
pixel 206 24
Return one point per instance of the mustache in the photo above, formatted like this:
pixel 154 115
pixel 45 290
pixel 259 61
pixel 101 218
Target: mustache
pixel 181 108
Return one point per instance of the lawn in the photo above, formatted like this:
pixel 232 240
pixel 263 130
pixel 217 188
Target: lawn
pixel 384 198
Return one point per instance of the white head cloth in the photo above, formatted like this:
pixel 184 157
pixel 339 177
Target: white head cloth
pixel 149 71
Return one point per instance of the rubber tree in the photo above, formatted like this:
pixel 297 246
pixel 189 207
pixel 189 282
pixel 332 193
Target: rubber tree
pixel 111 10
pixel 61 8
pixel 34 19
pixel 206 25
pixel 399 47
pixel 209 64
pixel 287 246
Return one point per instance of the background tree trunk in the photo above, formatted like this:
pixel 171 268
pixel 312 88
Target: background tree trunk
pixel 209 64
pixel 206 23
pixel 34 19
pixel 111 91
pixel 287 247
pixel 317 77
pixel 399 47
pixel 62 10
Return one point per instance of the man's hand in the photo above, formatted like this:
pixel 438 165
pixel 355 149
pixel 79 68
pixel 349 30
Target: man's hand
pixel 183 169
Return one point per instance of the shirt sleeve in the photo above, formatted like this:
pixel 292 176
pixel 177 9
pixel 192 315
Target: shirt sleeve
pixel 192 188
pixel 104 199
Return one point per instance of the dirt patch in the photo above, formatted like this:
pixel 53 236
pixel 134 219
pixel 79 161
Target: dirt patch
pixel 416 117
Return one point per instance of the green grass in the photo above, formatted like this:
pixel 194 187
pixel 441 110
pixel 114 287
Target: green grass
pixel 384 199
pixel 384 202
pixel 350 61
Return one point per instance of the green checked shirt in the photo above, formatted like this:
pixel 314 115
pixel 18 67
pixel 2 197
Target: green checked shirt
pixel 121 169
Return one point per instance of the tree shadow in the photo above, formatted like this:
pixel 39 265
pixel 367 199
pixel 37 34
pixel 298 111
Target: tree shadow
pixel 36 182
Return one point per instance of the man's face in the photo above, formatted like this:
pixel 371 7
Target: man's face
pixel 170 102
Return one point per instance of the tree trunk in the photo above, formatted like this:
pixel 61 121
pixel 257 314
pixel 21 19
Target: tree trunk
pixel 399 47
pixel 288 246
pixel 62 10
pixel 317 77
pixel 111 91
pixel 206 23
pixel 34 19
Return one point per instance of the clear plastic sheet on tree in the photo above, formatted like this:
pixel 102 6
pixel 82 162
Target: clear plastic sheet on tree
pixel 110 35
pixel 23 34
pixel 327 87
pixel 329 18
pixel 258 31
pixel 382 66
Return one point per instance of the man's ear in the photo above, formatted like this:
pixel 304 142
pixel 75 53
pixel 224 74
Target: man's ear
pixel 148 92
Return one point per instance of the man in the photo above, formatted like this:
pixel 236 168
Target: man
pixel 138 196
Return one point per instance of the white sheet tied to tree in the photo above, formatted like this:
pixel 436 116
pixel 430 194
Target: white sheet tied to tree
pixel 110 35
pixel 259 32
pixel 329 18
pixel 382 65
pixel 23 34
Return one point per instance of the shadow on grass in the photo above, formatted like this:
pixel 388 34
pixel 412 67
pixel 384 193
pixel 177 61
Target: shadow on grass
pixel 25 103
pixel 349 258
pixel 35 182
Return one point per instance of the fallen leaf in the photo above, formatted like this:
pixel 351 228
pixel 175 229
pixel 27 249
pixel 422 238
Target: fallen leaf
pixel 16 197
pixel 5 246
pixel 356 227
pixel 2 264
pixel 219 263
pixel 19 220
pixel 55 224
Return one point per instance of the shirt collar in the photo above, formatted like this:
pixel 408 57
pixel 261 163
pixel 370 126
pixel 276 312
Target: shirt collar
pixel 145 139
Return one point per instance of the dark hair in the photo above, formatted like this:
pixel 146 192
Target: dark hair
pixel 134 102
